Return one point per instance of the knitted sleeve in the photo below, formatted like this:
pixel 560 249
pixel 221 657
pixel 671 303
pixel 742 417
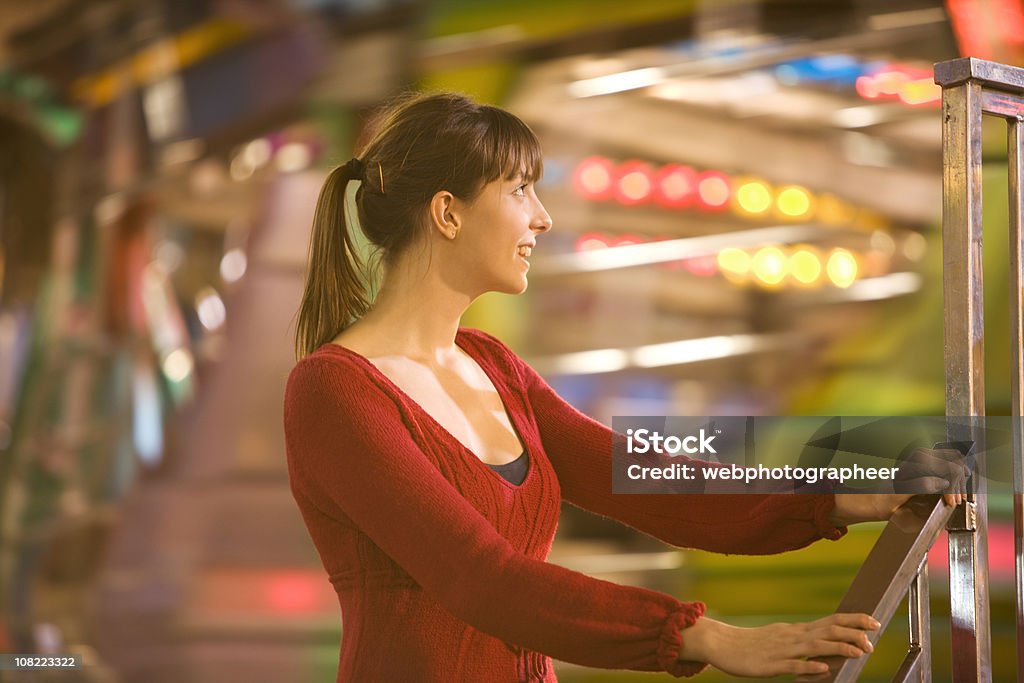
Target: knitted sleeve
pixel 351 454
pixel 580 450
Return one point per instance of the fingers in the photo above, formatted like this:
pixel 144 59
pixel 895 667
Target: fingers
pixel 803 667
pixel 840 634
pixel 865 622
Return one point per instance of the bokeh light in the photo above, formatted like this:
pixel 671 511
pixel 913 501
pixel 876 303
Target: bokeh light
pixel 805 265
pixel 769 266
pixel 635 183
pixel 713 190
pixel 753 197
pixel 794 202
pixel 842 268
pixel 594 177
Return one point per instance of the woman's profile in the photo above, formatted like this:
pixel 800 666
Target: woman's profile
pixel 429 461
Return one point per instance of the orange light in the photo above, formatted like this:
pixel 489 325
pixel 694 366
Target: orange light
pixel 832 210
pixel 593 178
pixel 920 91
pixel 713 190
pixel 890 82
pixel 635 183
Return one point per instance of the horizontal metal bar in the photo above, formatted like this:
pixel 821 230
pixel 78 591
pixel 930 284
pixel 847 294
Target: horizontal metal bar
pixel 1007 105
pixel 988 74
pixel 887 572
pixel 909 666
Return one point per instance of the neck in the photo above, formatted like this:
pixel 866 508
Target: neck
pixel 416 313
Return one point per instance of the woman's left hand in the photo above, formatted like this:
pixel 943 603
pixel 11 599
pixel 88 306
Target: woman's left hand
pixel 927 470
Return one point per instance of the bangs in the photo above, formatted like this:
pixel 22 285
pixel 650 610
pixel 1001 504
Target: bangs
pixel 515 149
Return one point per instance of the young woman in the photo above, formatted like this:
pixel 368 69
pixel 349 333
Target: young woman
pixel 429 461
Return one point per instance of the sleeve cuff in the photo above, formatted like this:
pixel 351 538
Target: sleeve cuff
pixel 823 507
pixel 670 648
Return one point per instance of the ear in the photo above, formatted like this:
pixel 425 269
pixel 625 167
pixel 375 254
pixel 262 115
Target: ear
pixel 445 216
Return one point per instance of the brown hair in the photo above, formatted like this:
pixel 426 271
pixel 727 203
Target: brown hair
pixel 423 144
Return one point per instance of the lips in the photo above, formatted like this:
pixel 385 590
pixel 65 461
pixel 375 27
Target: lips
pixel 525 250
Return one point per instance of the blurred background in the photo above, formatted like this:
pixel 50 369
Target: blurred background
pixel 746 198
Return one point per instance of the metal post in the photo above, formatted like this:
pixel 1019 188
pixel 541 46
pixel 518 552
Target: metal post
pixel 898 561
pixel 971 88
pixel 965 366
pixel 1016 173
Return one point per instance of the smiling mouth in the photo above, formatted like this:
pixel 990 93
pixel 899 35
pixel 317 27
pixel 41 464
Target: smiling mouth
pixel 525 251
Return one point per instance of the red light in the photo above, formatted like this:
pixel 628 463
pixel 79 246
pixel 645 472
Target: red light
pixel 909 84
pixel 713 191
pixel 293 592
pixel 1000 553
pixel 867 88
pixel 593 178
pixel 591 241
pixel 702 266
pixel 626 240
pixel 634 183
pixel 674 186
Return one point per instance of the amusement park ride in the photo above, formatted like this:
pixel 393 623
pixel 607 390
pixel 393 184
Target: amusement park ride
pixel 897 563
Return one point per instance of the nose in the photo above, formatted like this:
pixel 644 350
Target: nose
pixel 541 220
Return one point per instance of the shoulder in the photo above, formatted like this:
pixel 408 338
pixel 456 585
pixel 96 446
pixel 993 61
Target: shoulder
pixel 331 370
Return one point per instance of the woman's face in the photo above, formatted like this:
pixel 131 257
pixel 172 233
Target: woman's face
pixel 498 233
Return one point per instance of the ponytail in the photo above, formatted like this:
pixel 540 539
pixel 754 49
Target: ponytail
pixel 335 292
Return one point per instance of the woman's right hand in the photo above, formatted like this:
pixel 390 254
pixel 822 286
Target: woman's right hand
pixel 777 649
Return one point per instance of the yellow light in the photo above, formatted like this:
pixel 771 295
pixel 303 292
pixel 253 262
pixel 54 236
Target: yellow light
pixel 805 265
pixel 770 266
pixel 794 202
pixel 734 264
pixel 754 197
pixel 733 260
pixel 842 268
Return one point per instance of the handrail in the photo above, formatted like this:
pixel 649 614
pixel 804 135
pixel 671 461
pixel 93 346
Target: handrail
pixel 898 555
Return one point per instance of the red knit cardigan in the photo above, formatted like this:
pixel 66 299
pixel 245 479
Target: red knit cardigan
pixel 439 563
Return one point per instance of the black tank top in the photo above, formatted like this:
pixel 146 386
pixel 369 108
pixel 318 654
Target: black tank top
pixel 513 472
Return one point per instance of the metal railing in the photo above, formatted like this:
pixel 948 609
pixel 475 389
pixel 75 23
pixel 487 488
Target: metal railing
pixel 898 562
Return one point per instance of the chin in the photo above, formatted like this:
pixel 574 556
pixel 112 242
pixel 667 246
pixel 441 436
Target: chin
pixel 513 287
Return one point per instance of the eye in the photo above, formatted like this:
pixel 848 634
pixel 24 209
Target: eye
pixel 521 190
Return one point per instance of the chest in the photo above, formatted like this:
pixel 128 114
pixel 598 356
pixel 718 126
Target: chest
pixel 461 399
